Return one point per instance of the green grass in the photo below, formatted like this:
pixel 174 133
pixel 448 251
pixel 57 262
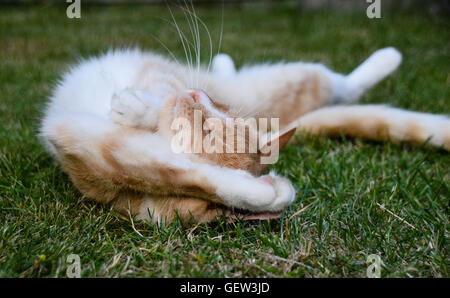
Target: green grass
pixel 44 218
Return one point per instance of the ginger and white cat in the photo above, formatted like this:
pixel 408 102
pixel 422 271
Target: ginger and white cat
pixel 108 123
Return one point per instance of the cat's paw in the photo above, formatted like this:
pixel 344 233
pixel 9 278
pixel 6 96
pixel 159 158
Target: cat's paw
pixel 222 64
pixel 265 193
pixel 245 191
pixel 386 61
pixel 284 192
pixel 376 68
pixel 134 108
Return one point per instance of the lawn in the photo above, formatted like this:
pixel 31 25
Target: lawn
pixel 357 198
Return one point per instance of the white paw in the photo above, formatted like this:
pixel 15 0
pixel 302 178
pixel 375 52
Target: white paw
pixel 266 193
pixel 387 60
pixel 377 67
pixel 134 108
pixel 222 64
pixel 285 192
pixel 246 192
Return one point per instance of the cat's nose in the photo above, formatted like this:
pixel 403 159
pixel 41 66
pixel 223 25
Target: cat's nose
pixel 198 96
pixel 195 95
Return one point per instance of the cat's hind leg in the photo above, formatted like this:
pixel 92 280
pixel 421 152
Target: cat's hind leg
pixel 135 108
pixel 379 123
pixel 349 88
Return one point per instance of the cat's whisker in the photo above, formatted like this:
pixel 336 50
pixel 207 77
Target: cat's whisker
pixel 186 47
pixel 198 39
pixel 210 43
pixel 195 44
pixel 243 115
pixel 168 50
pixel 221 30
pixel 218 47
pixel 195 19
pixel 189 60
pixel 195 41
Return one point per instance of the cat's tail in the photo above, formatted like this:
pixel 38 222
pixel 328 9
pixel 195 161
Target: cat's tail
pixel 378 122
pixel 349 88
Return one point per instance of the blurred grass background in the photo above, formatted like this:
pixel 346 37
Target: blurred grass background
pixel 344 182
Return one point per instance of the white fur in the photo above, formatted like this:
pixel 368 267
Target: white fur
pixel 134 107
pixel 377 67
pixel 223 65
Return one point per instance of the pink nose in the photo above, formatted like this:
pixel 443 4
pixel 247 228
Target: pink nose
pixel 195 96
pixel 198 96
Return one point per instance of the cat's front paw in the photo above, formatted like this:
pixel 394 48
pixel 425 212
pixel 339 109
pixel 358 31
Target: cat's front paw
pixel 135 108
pixel 284 192
pixel 266 193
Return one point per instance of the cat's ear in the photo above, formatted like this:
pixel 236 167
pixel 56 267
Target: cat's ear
pixel 285 137
pixel 269 151
pixel 282 138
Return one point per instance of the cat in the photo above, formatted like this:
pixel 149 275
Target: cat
pixel 109 125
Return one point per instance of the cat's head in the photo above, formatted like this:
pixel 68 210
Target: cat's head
pixel 195 124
